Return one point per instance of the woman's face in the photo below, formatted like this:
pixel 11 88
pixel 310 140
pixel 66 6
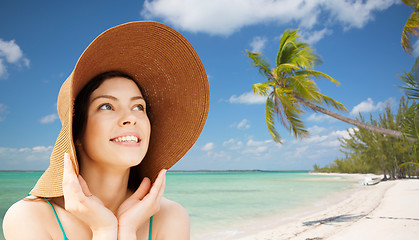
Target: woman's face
pixel 117 131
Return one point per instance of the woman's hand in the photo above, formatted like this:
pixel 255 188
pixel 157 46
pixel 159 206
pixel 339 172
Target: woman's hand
pixel 84 205
pixel 140 206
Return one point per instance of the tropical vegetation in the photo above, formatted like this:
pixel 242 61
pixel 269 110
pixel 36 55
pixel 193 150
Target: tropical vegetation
pixel 411 26
pixel 290 89
pixel 369 152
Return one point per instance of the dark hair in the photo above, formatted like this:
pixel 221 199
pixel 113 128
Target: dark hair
pixel 81 105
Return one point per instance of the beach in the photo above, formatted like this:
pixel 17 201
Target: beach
pixel 277 205
pixel 223 204
pixel 387 210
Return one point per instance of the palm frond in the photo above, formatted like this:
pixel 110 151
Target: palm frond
pixel 304 56
pixel 316 74
pixel 412 85
pixel 292 112
pixel 303 87
pixel 270 120
pixel 411 80
pixel 410 123
pixel 286 69
pixel 410 29
pixel 332 103
pixel 262 88
pixel 261 64
pixel 410 3
pixel 293 50
pixel 288 37
pixel 408 163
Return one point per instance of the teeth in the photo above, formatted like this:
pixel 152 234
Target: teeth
pixel 126 139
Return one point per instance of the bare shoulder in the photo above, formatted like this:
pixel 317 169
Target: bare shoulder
pixel 170 208
pixel 172 221
pixel 25 220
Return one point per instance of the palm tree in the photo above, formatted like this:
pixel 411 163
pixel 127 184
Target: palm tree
pixel 411 81
pixel 290 89
pixel 412 25
pixel 411 88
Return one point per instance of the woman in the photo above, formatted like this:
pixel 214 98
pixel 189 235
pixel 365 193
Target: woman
pixel 140 97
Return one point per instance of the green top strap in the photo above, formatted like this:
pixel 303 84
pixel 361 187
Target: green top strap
pixel 59 222
pixel 150 229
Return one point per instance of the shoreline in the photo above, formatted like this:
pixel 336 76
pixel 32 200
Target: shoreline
pixel 345 215
pixel 388 210
pixel 250 227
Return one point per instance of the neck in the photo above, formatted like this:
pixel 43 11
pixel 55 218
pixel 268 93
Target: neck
pixel 107 183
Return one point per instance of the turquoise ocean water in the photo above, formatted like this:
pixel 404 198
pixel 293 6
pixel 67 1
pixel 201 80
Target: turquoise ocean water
pixel 217 201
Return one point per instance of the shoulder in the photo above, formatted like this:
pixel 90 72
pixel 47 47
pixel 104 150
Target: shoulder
pixel 172 221
pixel 27 215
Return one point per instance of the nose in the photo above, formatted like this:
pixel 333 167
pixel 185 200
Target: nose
pixel 128 119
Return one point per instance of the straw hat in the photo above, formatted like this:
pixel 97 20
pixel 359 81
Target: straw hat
pixel 174 84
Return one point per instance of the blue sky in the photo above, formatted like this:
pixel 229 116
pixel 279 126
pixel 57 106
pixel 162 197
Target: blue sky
pixel 358 41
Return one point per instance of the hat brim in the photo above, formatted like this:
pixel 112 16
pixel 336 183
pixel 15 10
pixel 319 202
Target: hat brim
pixel 173 81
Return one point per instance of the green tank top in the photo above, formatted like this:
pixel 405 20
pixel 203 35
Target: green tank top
pixel 150 228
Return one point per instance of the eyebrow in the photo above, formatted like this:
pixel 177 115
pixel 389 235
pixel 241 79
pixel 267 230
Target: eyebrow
pixel 114 98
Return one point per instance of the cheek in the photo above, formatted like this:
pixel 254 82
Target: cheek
pixel 94 133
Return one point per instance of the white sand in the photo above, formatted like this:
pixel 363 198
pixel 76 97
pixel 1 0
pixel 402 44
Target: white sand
pixel 388 210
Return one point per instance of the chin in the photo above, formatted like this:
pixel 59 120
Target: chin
pixel 129 159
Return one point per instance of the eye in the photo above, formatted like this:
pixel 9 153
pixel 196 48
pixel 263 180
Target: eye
pixel 105 106
pixel 138 107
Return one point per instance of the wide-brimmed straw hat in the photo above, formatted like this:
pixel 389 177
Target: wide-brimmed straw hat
pixel 174 84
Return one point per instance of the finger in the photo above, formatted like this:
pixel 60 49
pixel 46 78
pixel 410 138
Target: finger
pixel 163 186
pixel 71 184
pixel 155 189
pixel 69 172
pixel 84 187
pixel 142 190
pixel 69 175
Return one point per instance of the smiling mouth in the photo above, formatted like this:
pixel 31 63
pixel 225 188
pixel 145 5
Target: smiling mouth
pixel 129 139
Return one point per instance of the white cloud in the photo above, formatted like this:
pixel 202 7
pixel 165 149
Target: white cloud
pixel 35 158
pixel 257 147
pixel 220 155
pixel 12 53
pixel 3 71
pixel 243 124
pixel 255 150
pixel 316 129
pixel 344 133
pixel 49 118
pixel 208 147
pixel 258 43
pixel 219 17
pixel 315 36
pixel 356 13
pixel 10 50
pixel 320 117
pixel 233 144
pixel 42 149
pixel 253 143
pixel 369 106
pixel 247 98
pixel 327 139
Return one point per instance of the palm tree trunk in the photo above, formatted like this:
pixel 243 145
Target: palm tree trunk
pixel 380 130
